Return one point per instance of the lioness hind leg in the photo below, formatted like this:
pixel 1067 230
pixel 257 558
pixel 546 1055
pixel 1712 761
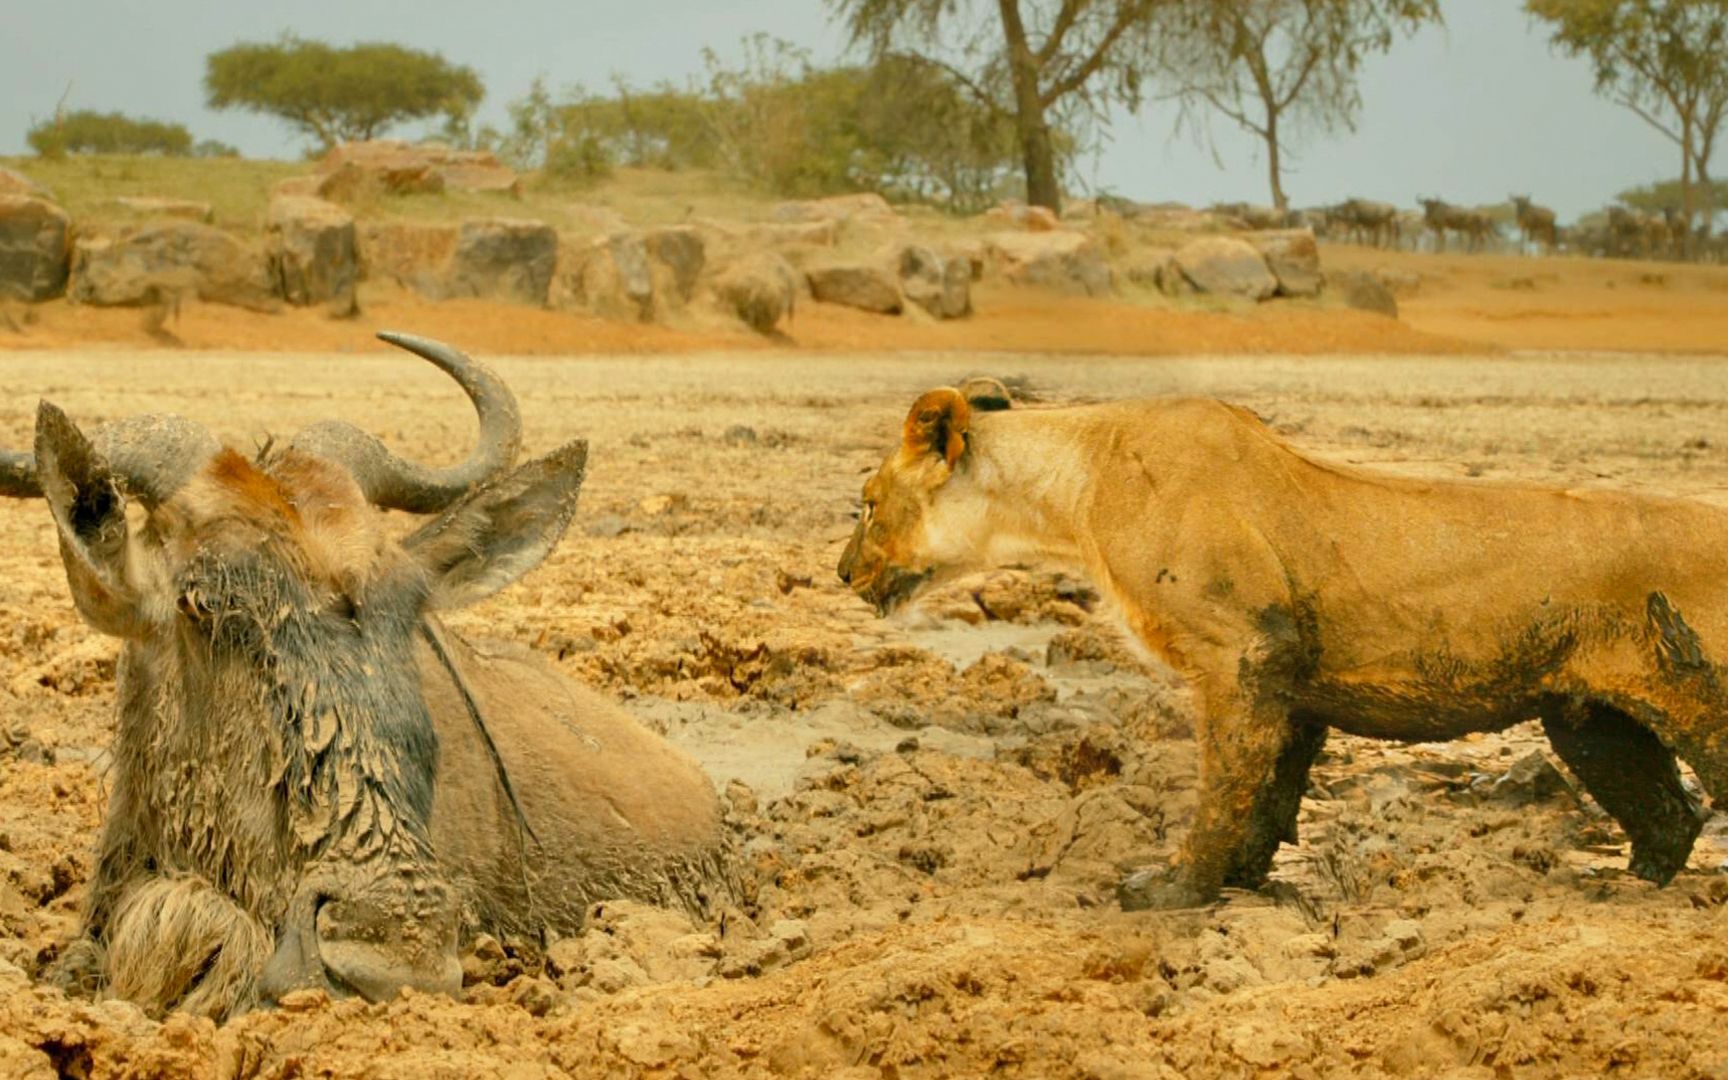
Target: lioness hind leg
pixel 1633 776
pixel 1273 819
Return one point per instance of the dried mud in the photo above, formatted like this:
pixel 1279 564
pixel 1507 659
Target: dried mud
pixel 934 809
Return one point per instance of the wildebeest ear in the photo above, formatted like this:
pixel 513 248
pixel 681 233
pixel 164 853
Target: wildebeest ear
pixel 937 424
pixel 502 529
pixel 90 516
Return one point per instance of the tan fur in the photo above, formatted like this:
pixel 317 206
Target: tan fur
pixel 1290 590
pixel 178 944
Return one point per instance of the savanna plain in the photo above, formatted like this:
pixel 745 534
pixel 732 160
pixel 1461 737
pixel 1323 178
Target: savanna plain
pixel 934 809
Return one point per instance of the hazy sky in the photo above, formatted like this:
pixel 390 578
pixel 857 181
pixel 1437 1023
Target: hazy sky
pixel 1471 112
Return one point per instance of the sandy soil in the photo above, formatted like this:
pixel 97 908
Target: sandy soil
pixel 934 809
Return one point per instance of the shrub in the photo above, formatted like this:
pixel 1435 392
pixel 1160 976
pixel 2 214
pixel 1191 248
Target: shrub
pixel 89 132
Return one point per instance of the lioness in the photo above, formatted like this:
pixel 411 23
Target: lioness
pixel 1297 595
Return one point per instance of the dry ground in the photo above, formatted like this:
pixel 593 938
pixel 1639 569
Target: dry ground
pixel 935 809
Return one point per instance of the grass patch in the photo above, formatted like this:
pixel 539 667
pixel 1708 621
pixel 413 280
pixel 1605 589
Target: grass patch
pixel 237 190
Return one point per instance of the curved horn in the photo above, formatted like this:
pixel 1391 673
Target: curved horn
pixel 152 455
pixel 395 484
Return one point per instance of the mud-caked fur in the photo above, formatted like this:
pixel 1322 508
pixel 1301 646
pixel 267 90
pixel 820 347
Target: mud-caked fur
pixel 318 785
pixel 1297 596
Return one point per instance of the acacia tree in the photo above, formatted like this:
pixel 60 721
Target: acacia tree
pixel 340 94
pixel 1665 60
pixel 1273 65
pixel 1036 61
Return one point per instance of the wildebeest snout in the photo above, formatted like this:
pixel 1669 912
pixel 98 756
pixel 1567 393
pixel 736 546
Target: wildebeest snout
pixel 373 943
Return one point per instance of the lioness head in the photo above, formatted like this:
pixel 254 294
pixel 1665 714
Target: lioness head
pixel 914 523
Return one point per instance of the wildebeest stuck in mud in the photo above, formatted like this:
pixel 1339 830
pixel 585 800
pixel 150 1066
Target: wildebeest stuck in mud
pixel 315 784
pixel 1297 596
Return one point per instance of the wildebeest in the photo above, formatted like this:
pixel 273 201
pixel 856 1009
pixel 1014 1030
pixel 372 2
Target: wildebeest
pixel 1298 595
pixel 1535 222
pixel 1442 217
pixel 1368 222
pixel 315 784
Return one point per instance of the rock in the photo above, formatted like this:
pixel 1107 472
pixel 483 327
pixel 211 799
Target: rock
pixel 161 206
pixel 611 277
pixel 1532 779
pixel 1065 261
pixel 13 182
pixel 169 259
pixel 681 250
pixel 503 258
pixel 411 254
pixel 311 250
pixel 1030 218
pixel 1293 258
pixel 760 289
pixel 1363 291
pixel 395 167
pixel 865 287
pixel 942 287
pixel 1226 266
pixel 35 248
pixel 306 186
pixel 866 206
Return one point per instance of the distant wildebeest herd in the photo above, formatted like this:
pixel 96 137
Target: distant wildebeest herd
pixel 1519 224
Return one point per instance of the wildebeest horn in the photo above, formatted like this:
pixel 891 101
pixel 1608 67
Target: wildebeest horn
pixel 390 482
pixel 152 455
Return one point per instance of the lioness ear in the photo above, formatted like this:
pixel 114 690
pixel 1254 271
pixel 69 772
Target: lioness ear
pixel 937 424
pixel 502 529
pixel 985 394
pixel 90 516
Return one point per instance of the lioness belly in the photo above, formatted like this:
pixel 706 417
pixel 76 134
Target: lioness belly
pixel 1414 712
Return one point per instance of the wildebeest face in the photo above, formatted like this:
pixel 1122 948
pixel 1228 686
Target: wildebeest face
pixel 269 612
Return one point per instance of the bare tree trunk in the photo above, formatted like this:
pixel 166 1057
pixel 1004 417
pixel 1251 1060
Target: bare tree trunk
pixel 1279 200
pixel 1037 148
pixel 1685 247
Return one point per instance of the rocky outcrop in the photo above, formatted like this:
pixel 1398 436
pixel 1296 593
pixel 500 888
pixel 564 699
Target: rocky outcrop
pixel 1292 257
pixel 865 286
pixel 395 167
pixel 35 251
pixel 503 258
pixel 681 253
pixel 610 276
pixel 1226 266
pixel 169 259
pixel 760 289
pixel 311 252
pixel 941 286
pixel 1021 216
pixel 414 255
pixel 1065 261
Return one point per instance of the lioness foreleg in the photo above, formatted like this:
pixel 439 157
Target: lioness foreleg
pixel 1273 821
pixel 1631 775
pixel 1242 739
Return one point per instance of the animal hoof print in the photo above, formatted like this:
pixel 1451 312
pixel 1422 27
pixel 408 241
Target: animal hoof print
pixel 1157 890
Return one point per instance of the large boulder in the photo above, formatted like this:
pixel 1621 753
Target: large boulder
pixel 1226 266
pixel 1065 261
pixel 610 276
pixel 1363 291
pixel 680 253
pixel 760 289
pixel 169 258
pixel 413 254
pixel 864 286
pixel 396 167
pixel 941 286
pixel 35 248
pixel 1293 258
pixel 312 252
pixel 503 258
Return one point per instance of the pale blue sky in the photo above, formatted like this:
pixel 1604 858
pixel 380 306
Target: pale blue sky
pixel 1470 113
